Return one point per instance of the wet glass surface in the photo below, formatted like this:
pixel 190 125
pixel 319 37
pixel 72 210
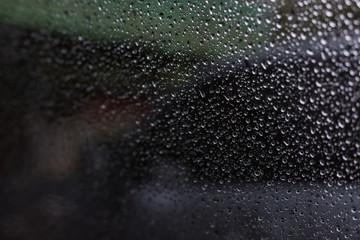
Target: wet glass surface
pixel 179 119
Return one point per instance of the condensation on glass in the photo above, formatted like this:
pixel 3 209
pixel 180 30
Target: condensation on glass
pixel 179 119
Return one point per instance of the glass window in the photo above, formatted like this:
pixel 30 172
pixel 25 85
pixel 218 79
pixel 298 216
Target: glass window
pixel 179 119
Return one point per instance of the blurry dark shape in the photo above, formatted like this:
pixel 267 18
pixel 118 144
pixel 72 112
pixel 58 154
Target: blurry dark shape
pixel 289 115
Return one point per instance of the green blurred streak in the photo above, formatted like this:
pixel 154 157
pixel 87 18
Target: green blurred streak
pixel 184 28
